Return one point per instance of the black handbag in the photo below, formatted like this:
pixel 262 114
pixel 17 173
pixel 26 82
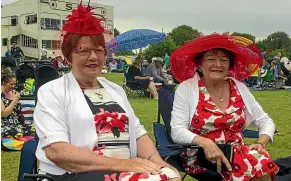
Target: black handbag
pixel 227 149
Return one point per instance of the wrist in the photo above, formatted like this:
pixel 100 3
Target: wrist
pixel 199 140
pixel 154 156
pixel 261 143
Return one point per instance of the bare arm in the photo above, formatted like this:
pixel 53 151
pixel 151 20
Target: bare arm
pixel 78 160
pixel 140 78
pixel 6 111
pixel 147 150
pixel 264 139
pixel 145 147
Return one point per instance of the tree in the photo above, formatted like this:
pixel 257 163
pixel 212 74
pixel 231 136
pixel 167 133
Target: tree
pixel 125 53
pixel 159 50
pixel 284 52
pixel 278 40
pixel 116 32
pixel 245 35
pixel 262 45
pixel 183 33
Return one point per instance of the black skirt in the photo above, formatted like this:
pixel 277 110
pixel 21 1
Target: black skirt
pixel 143 83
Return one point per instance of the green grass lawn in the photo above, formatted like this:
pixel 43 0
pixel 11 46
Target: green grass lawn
pixel 276 103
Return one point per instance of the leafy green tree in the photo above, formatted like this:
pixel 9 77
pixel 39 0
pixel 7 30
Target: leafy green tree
pixel 125 53
pixel 285 52
pixel 262 45
pixel 278 40
pixel 159 50
pixel 182 34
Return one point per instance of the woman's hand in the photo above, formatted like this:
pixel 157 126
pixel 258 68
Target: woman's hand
pixel 257 146
pixel 214 154
pixel 139 165
pixel 165 164
pixel 15 96
pixel 148 77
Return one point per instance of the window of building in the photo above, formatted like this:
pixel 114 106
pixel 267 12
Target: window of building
pixel 50 24
pixel 64 21
pixel 14 20
pixel 15 39
pixel 51 44
pixel 29 42
pixel 47 44
pixel 4 41
pixel 31 19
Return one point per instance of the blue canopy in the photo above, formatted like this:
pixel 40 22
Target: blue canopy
pixel 135 39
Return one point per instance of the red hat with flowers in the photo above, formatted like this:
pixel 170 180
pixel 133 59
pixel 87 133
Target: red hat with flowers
pixel 247 57
pixel 82 22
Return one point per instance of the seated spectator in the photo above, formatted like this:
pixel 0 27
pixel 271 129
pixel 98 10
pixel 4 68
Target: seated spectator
pixel 134 73
pixel 11 117
pixel 124 65
pixel 155 70
pixel 113 66
pixel 144 65
pixel 86 127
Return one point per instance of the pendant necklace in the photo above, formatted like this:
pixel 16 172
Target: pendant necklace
pixel 221 97
pixel 99 94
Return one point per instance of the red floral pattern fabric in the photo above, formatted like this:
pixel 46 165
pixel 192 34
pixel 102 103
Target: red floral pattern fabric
pixel 111 123
pixel 223 127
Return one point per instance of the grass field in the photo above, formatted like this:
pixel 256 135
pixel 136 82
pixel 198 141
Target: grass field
pixel 276 103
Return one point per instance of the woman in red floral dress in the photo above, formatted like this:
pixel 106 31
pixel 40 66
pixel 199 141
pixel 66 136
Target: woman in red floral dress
pixel 213 107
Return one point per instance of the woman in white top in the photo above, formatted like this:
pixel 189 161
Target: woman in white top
pixel 86 127
pixel 213 107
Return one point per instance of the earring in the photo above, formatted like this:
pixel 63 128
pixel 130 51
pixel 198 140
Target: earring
pixel 199 70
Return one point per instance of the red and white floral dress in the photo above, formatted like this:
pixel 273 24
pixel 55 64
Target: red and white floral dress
pixel 224 127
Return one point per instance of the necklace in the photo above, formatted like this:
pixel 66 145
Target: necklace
pixel 221 97
pixel 99 94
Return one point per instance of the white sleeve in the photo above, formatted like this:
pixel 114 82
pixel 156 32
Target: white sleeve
pixel 180 132
pixel 49 117
pixel 139 129
pixel 260 120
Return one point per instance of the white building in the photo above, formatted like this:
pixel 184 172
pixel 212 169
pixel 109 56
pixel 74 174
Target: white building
pixel 34 23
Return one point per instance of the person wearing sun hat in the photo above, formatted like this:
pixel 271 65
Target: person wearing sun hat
pixel 86 127
pixel 213 106
pixel 155 70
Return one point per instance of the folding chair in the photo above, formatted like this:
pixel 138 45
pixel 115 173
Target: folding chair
pixel 28 167
pixel 131 87
pixel 164 143
pixel 168 150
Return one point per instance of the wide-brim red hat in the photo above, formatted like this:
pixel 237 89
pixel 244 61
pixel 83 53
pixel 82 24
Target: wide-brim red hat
pixel 247 57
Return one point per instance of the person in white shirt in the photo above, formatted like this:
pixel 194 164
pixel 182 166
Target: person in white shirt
pixel 43 53
pixel 86 127
pixel 212 107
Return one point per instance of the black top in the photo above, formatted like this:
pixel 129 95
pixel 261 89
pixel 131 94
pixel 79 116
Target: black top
pixel 106 108
pixel 133 71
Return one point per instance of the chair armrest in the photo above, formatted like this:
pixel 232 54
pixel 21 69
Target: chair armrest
pixel 49 178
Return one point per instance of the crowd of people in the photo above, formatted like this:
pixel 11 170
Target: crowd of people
pixel 274 72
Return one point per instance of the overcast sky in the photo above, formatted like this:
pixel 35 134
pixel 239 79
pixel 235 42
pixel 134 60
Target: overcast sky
pixel 258 17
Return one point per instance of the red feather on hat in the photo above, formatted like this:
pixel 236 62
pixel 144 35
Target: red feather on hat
pixel 82 21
